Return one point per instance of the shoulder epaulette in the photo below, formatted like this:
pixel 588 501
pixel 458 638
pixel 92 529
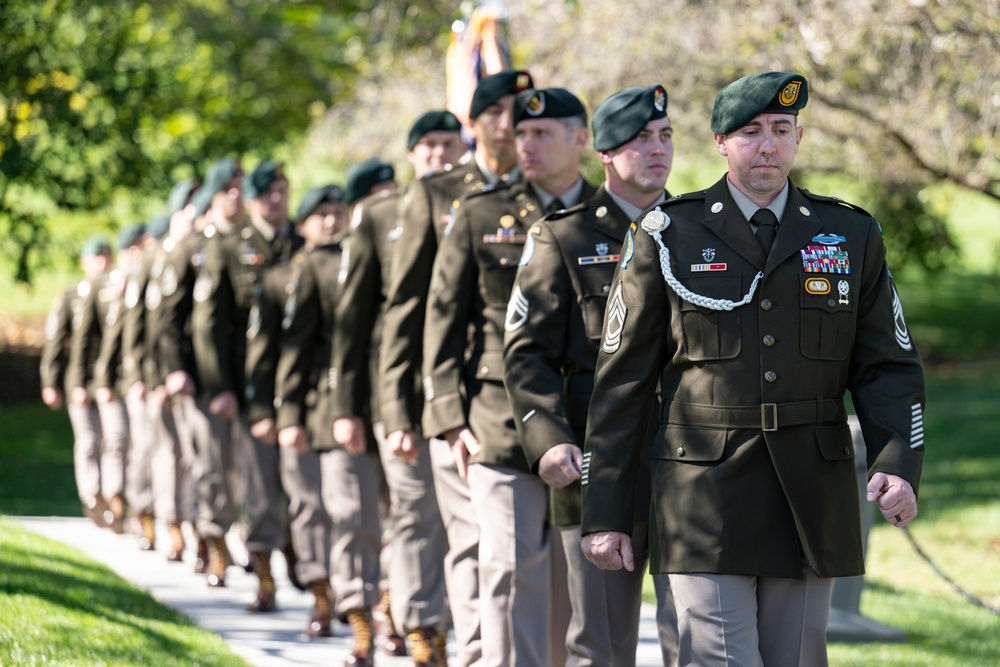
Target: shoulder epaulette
pixel 688 196
pixel 835 200
pixel 566 212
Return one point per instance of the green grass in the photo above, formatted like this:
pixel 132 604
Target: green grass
pixel 59 608
pixel 36 462
pixel 958 527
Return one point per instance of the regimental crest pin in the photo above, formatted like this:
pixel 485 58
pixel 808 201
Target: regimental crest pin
pixel 601 248
pixel 708 254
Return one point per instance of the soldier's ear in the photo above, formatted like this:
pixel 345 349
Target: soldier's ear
pixel 720 144
pixel 581 138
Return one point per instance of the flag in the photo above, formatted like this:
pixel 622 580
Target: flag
pixel 477 49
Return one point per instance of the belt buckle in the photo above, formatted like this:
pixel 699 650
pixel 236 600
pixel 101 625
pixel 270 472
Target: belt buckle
pixel 769 410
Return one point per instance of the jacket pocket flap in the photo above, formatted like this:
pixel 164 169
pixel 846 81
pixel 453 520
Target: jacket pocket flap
pixel 689 443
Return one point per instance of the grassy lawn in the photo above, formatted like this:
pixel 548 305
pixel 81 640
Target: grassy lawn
pixel 59 608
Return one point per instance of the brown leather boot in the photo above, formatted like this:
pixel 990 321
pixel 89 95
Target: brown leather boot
pixel 95 509
pixel 319 624
pixel 422 648
pixel 392 643
pixel 441 648
pixel 201 555
pixel 362 655
pixel 147 537
pixel 217 557
pixel 265 601
pixel 117 519
pixel 176 552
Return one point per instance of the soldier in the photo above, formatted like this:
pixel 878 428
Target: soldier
pixel 553 329
pixel 66 313
pixel 428 206
pixel 465 397
pixel 235 258
pixel 374 196
pixel 321 218
pixel 306 376
pixel 101 465
pixel 753 342
pixel 151 299
pixel 112 376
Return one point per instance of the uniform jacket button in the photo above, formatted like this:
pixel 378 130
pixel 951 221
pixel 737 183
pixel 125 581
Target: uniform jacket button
pixel 831 303
pixel 771 376
pixel 769 340
pixel 504 261
pixel 681 452
pixel 765 304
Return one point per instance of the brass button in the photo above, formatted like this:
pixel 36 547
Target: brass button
pixel 484 370
pixel 681 452
pixel 765 304
pixel 606 288
pixel 504 261
pixel 831 303
pixel 771 376
pixel 769 340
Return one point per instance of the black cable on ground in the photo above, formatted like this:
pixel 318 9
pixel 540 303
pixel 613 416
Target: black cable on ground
pixel 961 591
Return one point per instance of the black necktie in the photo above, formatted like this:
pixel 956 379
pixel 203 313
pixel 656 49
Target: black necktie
pixel 556 205
pixel 767 227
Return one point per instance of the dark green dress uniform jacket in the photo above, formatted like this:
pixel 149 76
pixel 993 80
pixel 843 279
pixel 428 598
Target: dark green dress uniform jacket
pixel 304 378
pixel 223 295
pixel 169 302
pixel 133 335
pixel 428 207
pixel 116 367
pixel 753 464
pixel 264 329
pixel 553 331
pixel 466 309
pixel 58 337
pixel 364 275
pixel 89 329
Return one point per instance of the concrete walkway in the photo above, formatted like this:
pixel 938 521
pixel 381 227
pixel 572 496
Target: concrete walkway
pixel 264 640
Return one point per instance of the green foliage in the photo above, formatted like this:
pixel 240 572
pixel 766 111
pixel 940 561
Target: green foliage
pixel 129 96
pixel 62 608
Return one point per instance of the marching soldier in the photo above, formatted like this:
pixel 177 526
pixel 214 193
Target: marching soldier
pixel 466 401
pixel 307 387
pixel 235 258
pixel 65 315
pixel 553 330
pixel 428 207
pixel 101 463
pixel 321 218
pixel 753 343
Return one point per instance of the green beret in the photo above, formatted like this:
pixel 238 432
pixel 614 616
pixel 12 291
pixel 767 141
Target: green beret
pixel 547 103
pixel 261 178
pixel 129 235
pixel 317 196
pixel 432 121
pixel 181 195
pixel 621 117
pixel 216 179
pixel 772 92
pixel 491 88
pixel 159 226
pixel 95 245
pixel 363 176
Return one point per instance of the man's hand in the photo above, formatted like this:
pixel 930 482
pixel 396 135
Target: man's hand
pixel 295 437
pixel 463 445
pixel 265 430
pixel 349 433
pixel 178 383
pixel 895 497
pixel 104 395
pixel 137 392
pixel 79 396
pixel 401 444
pixel 52 397
pixel 609 550
pixel 561 465
pixel 224 406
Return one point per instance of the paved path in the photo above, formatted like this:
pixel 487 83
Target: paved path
pixel 264 640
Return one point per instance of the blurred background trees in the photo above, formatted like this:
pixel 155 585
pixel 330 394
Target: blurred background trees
pixel 104 105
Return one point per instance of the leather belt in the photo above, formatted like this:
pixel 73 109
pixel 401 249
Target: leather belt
pixel 766 416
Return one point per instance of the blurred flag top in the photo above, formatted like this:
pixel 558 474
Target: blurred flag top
pixel 478 48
